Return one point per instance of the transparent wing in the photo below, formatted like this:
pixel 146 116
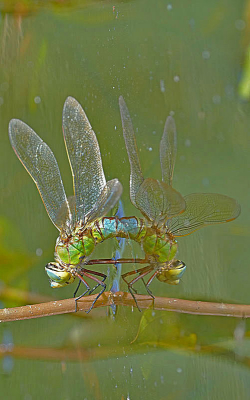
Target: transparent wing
pixel 110 195
pixel 168 149
pixel 136 177
pixel 158 201
pixel 203 209
pixel 42 166
pixel 84 157
pixel 71 204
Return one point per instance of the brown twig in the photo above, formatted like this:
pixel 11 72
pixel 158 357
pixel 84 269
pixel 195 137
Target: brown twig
pixel 125 299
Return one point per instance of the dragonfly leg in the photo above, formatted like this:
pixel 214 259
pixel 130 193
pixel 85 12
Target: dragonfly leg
pixel 77 288
pixel 133 273
pixel 147 289
pixel 97 274
pixel 89 274
pixel 132 294
pixel 142 272
pixel 147 286
pixel 149 282
pixel 125 280
pixel 83 294
pixel 94 273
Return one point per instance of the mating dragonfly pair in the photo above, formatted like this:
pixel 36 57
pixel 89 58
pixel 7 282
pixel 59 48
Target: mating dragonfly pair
pixel 81 218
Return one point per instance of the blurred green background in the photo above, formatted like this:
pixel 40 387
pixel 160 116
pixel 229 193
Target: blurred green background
pixel 187 57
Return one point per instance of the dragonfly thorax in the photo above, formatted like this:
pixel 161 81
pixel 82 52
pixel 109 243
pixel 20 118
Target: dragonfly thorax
pixel 73 250
pixel 161 246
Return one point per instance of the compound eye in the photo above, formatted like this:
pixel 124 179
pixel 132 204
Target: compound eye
pixel 57 275
pixel 178 264
pixel 53 266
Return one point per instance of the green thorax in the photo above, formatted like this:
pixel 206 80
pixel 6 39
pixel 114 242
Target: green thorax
pixel 160 245
pixel 75 248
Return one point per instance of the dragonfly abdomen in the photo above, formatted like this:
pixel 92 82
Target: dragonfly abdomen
pixel 111 227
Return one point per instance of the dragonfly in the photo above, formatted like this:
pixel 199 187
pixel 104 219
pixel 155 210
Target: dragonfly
pixel 167 214
pixel 81 219
pixel 77 217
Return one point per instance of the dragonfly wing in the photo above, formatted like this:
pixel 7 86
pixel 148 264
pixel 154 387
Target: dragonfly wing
pixel 136 177
pixel 203 209
pixel 42 166
pixel 158 201
pixel 84 157
pixel 168 149
pixel 72 206
pixel 109 196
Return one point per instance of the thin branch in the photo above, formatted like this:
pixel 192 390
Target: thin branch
pixel 125 299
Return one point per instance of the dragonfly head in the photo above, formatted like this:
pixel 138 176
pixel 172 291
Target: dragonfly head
pixel 172 272
pixel 58 276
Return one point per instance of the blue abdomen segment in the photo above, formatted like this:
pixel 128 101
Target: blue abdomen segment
pixel 123 227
